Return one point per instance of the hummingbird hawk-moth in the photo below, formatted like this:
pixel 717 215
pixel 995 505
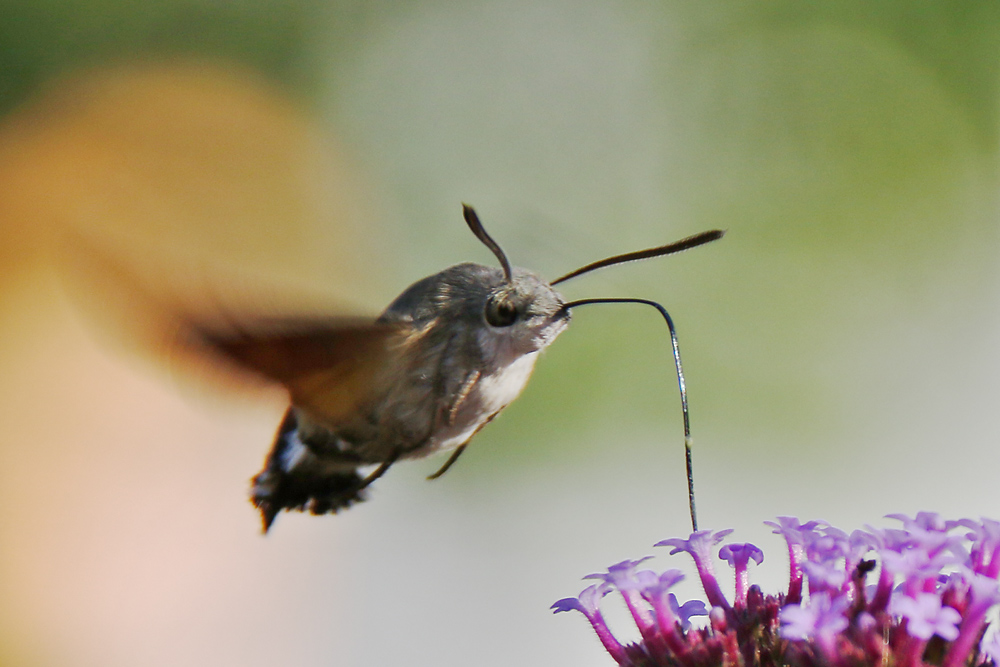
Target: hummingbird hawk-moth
pixel 443 359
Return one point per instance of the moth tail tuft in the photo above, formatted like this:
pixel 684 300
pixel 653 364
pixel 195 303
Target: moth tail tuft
pixel 293 478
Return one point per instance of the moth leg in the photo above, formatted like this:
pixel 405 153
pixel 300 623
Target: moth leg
pixel 381 470
pixel 450 462
pixel 447 408
pixel 463 392
pixel 461 448
pixel 449 419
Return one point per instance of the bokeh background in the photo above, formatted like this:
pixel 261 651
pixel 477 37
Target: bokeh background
pixel 842 343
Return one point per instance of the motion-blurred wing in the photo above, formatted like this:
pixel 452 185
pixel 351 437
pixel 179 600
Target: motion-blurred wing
pixel 330 367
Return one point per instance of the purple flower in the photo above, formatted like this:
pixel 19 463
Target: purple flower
pixel 821 620
pixel 588 604
pixel 991 647
pixel 795 535
pixel 985 556
pixel 630 584
pixel 699 546
pixel 983 596
pixel 669 618
pixel 826 576
pixel 739 556
pixel 685 611
pixel 934 590
pixel 926 616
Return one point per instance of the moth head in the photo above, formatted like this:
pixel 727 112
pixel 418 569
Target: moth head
pixel 526 311
pixel 523 309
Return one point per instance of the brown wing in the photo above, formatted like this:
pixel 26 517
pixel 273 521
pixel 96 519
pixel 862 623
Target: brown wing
pixel 331 367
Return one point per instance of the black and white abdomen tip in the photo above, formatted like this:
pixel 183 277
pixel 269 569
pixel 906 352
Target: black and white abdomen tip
pixel 295 478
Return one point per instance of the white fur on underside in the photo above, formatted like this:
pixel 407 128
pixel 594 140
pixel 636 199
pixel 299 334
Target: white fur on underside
pixel 491 394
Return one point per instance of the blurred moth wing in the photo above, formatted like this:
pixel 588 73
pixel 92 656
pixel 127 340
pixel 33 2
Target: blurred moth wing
pixel 328 364
pixel 331 367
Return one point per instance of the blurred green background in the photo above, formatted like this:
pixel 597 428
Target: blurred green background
pixel 841 343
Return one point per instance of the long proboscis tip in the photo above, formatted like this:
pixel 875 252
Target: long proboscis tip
pixel 681 385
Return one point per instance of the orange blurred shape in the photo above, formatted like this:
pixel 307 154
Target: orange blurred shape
pixel 122 508
pixel 183 183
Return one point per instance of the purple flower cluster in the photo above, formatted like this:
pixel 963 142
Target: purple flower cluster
pixel 899 597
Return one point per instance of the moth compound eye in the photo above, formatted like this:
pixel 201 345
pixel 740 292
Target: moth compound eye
pixel 500 313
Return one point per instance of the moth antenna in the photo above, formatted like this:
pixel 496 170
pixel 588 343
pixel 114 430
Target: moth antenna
pixel 688 442
pixel 677 246
pixel 477 228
